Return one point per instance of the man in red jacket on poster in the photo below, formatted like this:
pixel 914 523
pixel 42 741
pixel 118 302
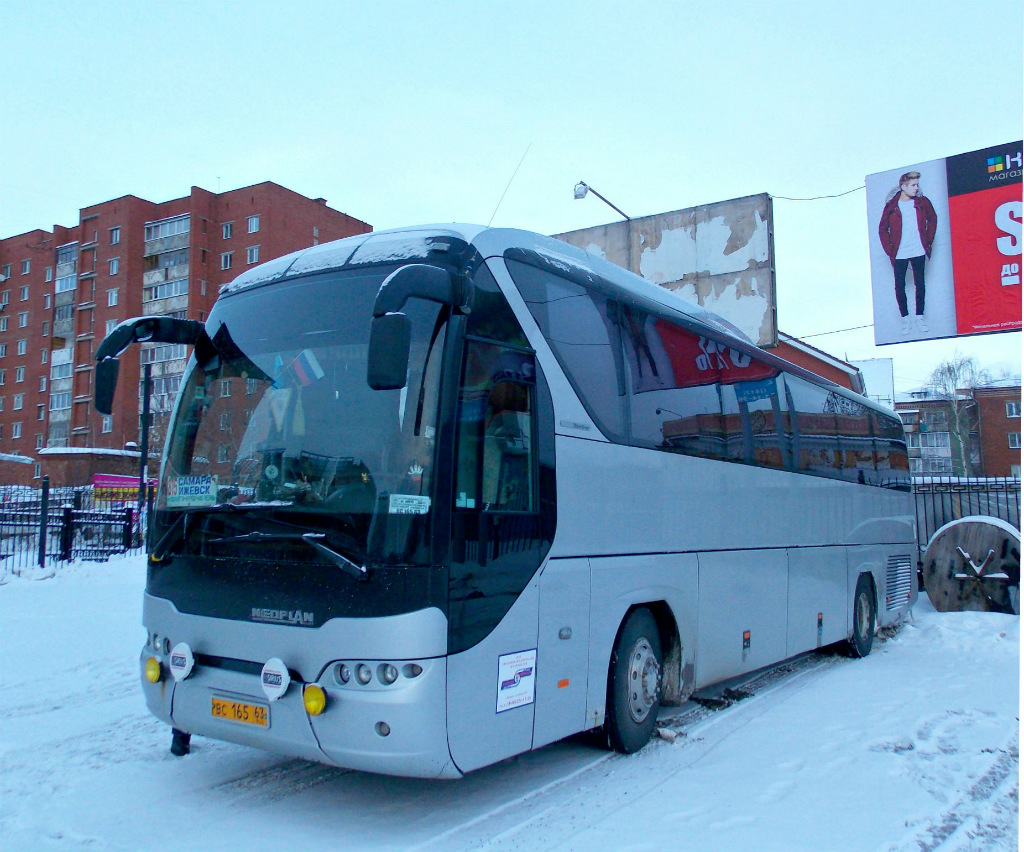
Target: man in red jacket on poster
pixel 907 230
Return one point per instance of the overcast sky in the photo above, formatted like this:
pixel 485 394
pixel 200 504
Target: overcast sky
pixel 408 113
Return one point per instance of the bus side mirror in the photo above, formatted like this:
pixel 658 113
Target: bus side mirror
pixel 388 358
pixel 106 384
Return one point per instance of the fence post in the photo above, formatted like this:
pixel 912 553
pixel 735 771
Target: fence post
pixel 43 504
pixel 67 534
pixel 126 529
pixel 150 494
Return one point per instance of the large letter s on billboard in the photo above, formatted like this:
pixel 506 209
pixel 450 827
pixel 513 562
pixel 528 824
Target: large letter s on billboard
pixel 1008 220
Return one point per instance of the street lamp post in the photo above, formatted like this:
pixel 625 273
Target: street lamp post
pixel 580 191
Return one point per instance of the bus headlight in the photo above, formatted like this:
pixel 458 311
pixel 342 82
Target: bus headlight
pixel 314 699
pixel 154 671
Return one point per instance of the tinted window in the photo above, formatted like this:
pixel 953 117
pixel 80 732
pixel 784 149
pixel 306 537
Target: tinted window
pixel 582 331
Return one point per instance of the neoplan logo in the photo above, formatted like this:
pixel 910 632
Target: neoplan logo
pixel 283 616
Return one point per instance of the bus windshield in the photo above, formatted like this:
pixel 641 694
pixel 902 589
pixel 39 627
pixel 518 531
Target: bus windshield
pixel 281 426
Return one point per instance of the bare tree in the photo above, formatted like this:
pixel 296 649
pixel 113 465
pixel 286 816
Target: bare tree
pixel 955 381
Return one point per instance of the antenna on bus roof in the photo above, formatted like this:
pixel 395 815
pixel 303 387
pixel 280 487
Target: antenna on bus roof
pixel 495 213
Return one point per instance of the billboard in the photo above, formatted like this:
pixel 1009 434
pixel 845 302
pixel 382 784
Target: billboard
pixel 719 256
pixel 945 246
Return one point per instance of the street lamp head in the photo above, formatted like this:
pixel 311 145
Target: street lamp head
pixel 580 190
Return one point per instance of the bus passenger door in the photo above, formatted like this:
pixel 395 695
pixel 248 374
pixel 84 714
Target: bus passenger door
pixel 563 643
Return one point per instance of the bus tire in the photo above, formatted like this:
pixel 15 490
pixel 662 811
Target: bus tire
pixel 864 617
pixel 634 683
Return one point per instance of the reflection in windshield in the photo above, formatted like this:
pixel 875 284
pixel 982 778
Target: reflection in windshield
pixel 284 424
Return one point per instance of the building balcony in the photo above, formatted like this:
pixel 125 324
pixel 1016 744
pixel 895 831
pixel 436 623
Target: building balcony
pixel 158 276
pixel 162 244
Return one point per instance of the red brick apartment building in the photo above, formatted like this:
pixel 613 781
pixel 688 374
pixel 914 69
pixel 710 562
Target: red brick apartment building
pixel 991 426
pixel 61 292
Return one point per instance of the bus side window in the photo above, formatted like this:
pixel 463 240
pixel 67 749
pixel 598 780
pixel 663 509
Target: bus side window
pixel 496 457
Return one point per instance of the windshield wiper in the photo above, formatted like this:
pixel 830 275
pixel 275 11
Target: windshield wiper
pixel 359 572
pixel 179 528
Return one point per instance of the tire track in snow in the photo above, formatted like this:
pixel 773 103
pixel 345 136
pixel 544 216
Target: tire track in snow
pixel 984 818
pixel 277 782
pixel 547 817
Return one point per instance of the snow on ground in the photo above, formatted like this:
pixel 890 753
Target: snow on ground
pixel 913 748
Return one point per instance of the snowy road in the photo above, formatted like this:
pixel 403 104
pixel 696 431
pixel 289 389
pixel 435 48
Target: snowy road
pixel 914 748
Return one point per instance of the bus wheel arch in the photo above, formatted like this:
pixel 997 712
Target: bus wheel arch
pixel 865 617
pixel 634 681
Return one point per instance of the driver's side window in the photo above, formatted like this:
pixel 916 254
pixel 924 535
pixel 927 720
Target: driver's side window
pixel 496 457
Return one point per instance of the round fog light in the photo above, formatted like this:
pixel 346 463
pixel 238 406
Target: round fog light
pixel 314 699
pixel 154 671
pixel 363 673
pixel 387 673
pixel 382 728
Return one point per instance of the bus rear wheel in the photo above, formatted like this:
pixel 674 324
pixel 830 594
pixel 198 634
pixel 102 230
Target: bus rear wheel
pixel 634 683
pixel 859 644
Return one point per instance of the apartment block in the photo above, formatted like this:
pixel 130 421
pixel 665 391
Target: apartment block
pixel 63 291
pixel 978 436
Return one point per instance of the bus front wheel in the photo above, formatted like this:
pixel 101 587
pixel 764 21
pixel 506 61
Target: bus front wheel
pixel 634 683
pixel 864 615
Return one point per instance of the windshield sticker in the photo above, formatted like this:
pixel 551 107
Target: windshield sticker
pixel 192 491
pixel 408 504
pixel 516 676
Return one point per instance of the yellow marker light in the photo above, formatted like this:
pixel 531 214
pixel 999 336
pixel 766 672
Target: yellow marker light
pixel 154 671
pixel 314 699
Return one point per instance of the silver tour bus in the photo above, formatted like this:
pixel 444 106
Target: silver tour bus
pixel 434 497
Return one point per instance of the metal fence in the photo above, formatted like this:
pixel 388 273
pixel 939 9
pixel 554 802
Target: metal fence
pixel 39 527
pixel 941 499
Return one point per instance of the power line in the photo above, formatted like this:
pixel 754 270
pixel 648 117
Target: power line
pixel 817 197
pixel 837 331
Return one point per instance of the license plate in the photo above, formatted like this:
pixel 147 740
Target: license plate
pixel 237 711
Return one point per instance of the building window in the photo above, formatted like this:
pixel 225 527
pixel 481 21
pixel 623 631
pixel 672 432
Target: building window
pixel 23 293
pixel 252 254
pixel 115 236
pixel 5 297
pixel 49 274
pixel 65 284
pixel 60 401
pixel 3 376
pixel 254 224
pixel 60 371
pixel 1014 440
pixel 225 387
pixel 44 355
pixel 42 384
pixel 5 270
pixel 164 352
pixel 23 319
pixel 167 228
pixel 25 266
pixel 250 386
pixel 225 421
pixel 37 470
pixel 16 430
pixel 40 415
pixel 111 325
pixel 3 323
pixel 39 441
pixel 225 230
pixel 222 453
pixel 19 401
pixel 46 299
pixel 107 424
pixel 225 260
pixel 178 287
pixel 22 347
pixel 3 350
pixel 19 376
pixel 111 297
pixel 115 265
pixel 1013 409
